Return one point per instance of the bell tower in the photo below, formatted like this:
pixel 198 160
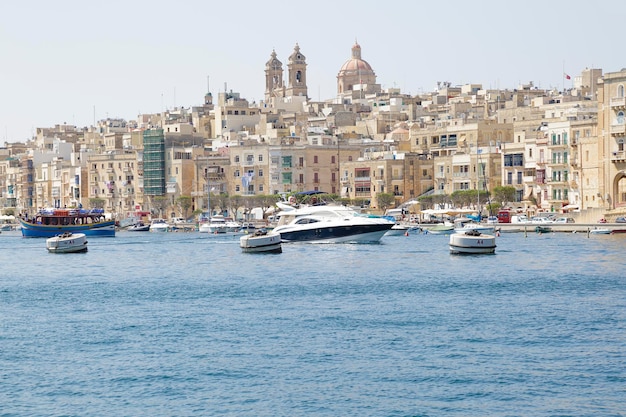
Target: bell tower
pixel 273 77
pixel 297 74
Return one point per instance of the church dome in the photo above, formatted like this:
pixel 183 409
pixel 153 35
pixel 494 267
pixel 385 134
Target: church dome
pixel 355 65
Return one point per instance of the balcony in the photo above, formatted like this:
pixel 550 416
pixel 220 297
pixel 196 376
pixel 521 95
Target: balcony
pixel 618 130
pixel 618 102
pixel 556 181
pixel 618 156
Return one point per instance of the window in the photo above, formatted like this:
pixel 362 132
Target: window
pixel 301 161
pixel 260 172
pixel 286 177
pixel 519 177
pixel 332 159
pixel 260 158
pixel 509 178
pixel 315 159
pixel 620 91
pixel 236 158
pixel 620 118
pixel 286 161
pixel 237 174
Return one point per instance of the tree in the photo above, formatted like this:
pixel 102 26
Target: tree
pixel 504 194
pixel 266 202
pixel 184 204
pixel 97 202
pixel 385 200
pixel 160 203
pixel 233 204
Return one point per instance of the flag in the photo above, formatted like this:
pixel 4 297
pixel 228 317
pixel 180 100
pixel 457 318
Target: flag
pixel 567 77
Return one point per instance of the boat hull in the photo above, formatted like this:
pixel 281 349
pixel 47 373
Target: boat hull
pixel 369 233
pixel 67 243
pixel 105 228
pixel 440 230
pixel 472 244
pixel 258 243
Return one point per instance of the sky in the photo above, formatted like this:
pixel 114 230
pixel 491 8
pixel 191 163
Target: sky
pixel 77 62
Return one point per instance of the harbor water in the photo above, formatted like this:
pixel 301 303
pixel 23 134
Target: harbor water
pixel 185 324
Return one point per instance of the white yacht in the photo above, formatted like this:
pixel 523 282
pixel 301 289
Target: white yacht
pixel 158 225
pixel 330 224
pixel 215 225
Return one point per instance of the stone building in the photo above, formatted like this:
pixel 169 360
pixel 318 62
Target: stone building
pixel 611 153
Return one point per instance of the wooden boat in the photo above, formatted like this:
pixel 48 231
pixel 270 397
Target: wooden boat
pixel 472 242
pixel 53 222
pixel 67 243
pixel 261 241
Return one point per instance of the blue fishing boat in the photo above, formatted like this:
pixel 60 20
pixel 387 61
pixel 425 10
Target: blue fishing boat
pixel 53 222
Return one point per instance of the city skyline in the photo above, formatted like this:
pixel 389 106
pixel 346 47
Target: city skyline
pixel 76 63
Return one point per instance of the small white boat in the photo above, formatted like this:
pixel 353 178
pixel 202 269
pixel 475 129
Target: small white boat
pixel 67 242
pixel 440 229
pixel 159 225
pixel 398 229
pixel 139 227
pixel 261 241
pixel 600 231
pixel 472 242
pixel 215 225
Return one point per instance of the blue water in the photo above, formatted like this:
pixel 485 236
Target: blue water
pixel 184 324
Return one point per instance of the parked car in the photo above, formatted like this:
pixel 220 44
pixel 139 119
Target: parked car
pixel 540 220
pixel 620 220
pixel 564 220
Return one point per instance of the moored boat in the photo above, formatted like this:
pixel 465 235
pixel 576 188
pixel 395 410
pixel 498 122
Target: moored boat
pixel 159 226
pixel 215 225
pixel 261 241
pixel 139 227
pixel 53 222
pixel 543 229
pixel 440 229
pixel 67 242
pixel 600 231
pixel 472 242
